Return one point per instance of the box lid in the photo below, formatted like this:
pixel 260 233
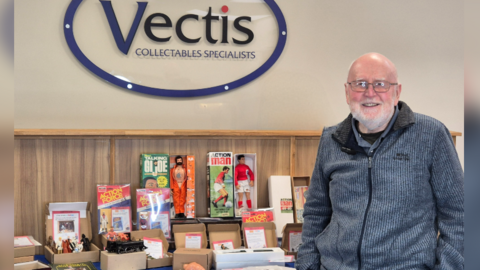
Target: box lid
pixel 180 231
pixel 85 222
pixel 289 227
pixel 222 232
pixel 301 181
pixel 270 232
pixel 155 233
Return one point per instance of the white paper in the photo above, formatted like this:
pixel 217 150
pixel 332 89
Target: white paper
pixel 256 237
pixel 66 225
pixel 72 206
pixel 154 247
pixel 22 241
pixel 193 240
pixel 295 241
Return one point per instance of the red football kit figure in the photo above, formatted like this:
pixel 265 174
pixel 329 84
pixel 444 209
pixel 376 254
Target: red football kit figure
pixel 241 181
pixel 219 187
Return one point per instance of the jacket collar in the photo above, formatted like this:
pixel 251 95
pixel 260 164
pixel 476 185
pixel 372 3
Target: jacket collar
pixel 344 133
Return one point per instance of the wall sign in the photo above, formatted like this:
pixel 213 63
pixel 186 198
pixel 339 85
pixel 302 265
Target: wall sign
pixel 161 20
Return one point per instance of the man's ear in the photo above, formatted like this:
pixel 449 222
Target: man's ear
pixel 399 91
pixel 347 93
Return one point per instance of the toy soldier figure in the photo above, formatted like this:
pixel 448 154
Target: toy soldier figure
pixel 179 187
pixel 103 222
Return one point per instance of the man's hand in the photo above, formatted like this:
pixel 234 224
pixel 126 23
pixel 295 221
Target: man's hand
pixel 251 183
pixel 237 186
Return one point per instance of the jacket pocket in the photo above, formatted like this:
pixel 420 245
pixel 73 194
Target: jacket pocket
pixel 326 243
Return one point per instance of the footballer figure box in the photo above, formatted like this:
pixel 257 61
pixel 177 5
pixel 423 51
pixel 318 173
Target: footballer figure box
pixel 154 171
pixel 182 184
pixel 220 186
pixel 245 184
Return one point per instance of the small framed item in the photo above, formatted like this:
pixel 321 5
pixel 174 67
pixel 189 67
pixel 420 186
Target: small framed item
pixel 66 225
pixel 294 240
pixel 154 248
pixel 255 237
pixel 22 241
pixel 193 240
pixel 223 245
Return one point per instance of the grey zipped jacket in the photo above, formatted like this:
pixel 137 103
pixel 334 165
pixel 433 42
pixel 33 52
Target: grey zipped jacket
pixel 384 211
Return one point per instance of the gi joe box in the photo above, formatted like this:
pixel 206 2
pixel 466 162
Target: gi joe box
pixel 155 171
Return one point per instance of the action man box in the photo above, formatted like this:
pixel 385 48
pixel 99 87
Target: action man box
pixel 245 174
pixel 220 184
pixel 155 172
pixel 182 183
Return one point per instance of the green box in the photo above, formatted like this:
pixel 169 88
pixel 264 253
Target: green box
pixel 216 163
pixel 154 166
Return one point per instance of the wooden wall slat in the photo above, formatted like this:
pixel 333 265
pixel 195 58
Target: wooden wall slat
pixel 306 156
pixel 56 171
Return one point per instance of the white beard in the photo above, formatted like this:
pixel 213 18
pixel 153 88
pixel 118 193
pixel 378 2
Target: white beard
pixel 369 122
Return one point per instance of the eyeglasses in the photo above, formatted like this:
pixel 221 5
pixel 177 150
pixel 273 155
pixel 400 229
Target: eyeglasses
pixel 378 86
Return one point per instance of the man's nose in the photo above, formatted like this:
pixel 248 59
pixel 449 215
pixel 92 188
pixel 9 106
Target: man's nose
pixel 370 92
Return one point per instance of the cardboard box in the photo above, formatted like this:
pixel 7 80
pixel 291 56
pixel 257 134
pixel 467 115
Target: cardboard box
pixel 23 259
pixel 299 181
pixel 222 232
pixel 280 198
pixel 270 232
pixel 295 227
pixel 85 228
pixel 157 234
pixel 180 231
pixel 228 259
pixel 26 251
pixel 127 261
pixel 216 163
pixel 187 255
pixel 250 161
pixel 29 266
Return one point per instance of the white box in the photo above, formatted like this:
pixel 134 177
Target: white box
pixel 240 258
pixel 280 187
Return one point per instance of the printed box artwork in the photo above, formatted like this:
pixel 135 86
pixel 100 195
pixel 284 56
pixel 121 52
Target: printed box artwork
pixel 153 209
pixel 257 216
pixel 114 208
pixel 286 205
pixel 74 266
pixel 220 184
pixel 182 183
pixel 244 180
pixel 155 171
pixel 300 198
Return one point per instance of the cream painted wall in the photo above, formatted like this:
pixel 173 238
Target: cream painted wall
pixel 302 91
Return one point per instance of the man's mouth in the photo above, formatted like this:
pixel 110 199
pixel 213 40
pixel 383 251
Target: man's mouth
pixel 370 104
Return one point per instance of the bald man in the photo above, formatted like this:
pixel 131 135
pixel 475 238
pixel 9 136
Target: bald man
pixel 387 188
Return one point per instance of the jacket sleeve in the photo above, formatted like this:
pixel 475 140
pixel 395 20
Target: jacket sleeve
pixel 316 215
pixel 447 184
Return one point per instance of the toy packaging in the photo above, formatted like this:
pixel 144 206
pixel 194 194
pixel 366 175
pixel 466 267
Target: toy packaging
pixel 220 184
pixel 258 215
pixel 245 182
pixel 153 209
pixel 154 171
pixel 182 184
pixel 114 208
pixel 300 199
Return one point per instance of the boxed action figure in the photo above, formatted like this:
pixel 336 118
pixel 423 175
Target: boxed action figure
pixel 114 208
pixel 220 184
pixel 153 209
pixel 154 171
pixel 245 182
pixel 90 251
pixel 182 183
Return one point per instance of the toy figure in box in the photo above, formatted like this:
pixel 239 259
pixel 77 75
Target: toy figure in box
pixel 103 222
pixel 242 183
pixel 111 235
pixel 86 243
pixel 143 222
pixel 219 187
pixel 178 175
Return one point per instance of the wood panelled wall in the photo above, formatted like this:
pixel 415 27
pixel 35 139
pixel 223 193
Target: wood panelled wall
pixel 66 166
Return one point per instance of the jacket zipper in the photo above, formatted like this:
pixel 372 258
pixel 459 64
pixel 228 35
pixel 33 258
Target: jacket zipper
pixel 359 253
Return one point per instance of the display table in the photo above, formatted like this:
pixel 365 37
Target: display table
pixel 41 258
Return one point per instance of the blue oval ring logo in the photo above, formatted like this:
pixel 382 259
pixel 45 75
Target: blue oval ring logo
pixel 72 44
